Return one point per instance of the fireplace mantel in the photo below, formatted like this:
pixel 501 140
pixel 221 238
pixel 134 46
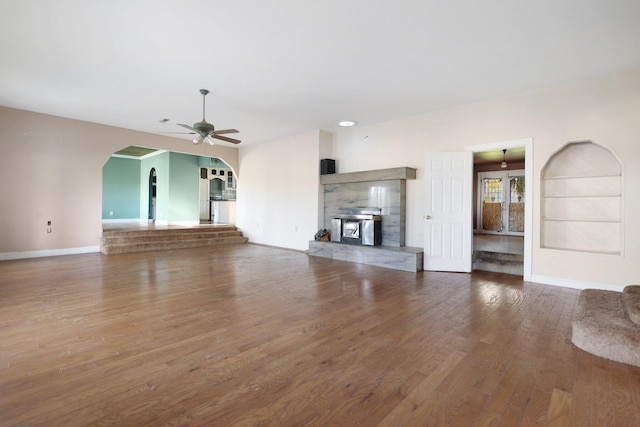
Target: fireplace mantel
pixel 374 175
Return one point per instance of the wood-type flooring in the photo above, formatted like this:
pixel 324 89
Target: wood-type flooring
pixel 247 335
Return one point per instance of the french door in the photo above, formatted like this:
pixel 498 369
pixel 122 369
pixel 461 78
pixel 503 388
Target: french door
pixel 501 201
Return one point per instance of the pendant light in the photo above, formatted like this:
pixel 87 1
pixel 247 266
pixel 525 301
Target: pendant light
pixel 504 159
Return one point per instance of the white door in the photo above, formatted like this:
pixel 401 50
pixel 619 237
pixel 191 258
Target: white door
pixel 448 232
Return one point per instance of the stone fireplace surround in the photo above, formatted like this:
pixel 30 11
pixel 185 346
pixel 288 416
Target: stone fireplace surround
pixel 384 189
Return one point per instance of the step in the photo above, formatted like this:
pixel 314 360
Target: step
pixel 161 237
pixel 129 241
pixel 170 245
pixel 186 230
pixel 498 262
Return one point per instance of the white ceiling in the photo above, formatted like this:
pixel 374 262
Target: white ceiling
pixel 276 68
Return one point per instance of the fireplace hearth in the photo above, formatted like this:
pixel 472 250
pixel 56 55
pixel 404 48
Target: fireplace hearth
pixel 357 226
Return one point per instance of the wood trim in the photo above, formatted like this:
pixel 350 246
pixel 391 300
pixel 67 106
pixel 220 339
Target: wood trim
pixel 373 175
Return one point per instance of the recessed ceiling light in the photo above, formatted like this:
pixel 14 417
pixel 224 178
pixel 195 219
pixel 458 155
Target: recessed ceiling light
pixel 347 123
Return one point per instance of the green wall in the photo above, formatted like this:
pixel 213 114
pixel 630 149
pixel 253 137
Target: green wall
pixel 121 189
pixel 184 171
pixel 161 164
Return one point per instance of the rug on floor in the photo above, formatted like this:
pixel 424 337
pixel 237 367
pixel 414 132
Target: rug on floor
pixel 607 324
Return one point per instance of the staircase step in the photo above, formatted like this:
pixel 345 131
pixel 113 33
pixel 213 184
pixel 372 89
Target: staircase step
pixel 164 237
pixel 128 241
pixel 498 262
pixel 165 231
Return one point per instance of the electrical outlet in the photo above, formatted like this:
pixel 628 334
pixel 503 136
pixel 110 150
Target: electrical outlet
pixel 49 227
pixel 110 213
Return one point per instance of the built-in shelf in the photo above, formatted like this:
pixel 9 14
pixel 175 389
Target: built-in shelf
pixel 582 200
pixel 582 219
pixel 568 196
pixel 549 178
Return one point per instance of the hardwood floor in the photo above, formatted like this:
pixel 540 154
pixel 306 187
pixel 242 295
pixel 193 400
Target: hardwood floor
pixel 251 335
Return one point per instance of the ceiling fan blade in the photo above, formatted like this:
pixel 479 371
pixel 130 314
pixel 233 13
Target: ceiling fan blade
pixel 187 127
pixel 224 138
pixel 219 132
pixel 178 133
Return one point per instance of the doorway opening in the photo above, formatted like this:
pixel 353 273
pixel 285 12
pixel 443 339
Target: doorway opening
pixel 152 194
pixel 503 217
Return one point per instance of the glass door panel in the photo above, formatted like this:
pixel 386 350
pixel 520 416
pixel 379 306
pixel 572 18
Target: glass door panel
pixel 516 204
pixel 492 204
pixel 501 202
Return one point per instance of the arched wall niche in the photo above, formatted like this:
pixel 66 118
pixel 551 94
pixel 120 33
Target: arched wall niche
pixel 582 199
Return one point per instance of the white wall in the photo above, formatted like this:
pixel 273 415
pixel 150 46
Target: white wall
pixel 277 196
pixel 606 111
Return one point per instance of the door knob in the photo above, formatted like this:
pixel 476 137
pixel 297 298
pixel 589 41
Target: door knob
pixel 427 217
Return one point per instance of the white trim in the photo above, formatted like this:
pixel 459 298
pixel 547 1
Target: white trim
pixel 146 156
pixel 527 143
pixel 5 256
pixel 574 284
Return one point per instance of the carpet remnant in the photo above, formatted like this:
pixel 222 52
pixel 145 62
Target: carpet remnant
pixel 631 296
pixel 602 327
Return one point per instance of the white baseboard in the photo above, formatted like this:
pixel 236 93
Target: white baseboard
pixel 5 256
pixel 574 284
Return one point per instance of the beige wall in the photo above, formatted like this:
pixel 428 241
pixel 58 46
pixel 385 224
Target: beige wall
pixel 606 111
pixel 278 202
pixel 51 169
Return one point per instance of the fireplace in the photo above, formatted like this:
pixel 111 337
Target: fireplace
pixel 357 226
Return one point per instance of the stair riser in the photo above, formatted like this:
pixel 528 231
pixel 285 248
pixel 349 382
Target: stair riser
pixel 183 244
pixel 515 268
pixel 170 237
pixel 497 257
pixel 187 231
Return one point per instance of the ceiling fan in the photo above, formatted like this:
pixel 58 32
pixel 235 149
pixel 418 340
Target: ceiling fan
pixel 206 131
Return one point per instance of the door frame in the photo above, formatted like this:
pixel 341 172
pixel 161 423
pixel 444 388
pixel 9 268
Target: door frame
pixel 527 143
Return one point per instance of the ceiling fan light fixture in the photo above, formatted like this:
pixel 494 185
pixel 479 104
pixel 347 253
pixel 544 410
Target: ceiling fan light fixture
pixel 206 131
pixel 503 165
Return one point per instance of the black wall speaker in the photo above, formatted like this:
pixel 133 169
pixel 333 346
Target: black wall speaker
pixel 327 166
